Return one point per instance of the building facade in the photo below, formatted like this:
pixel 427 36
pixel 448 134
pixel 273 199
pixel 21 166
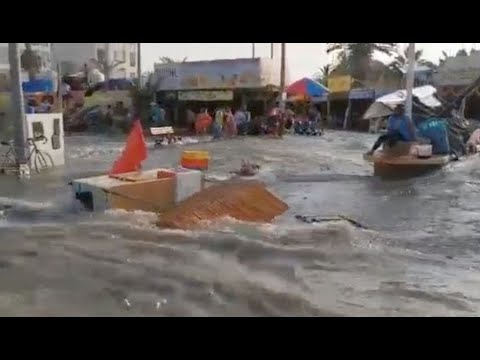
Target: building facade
pixel 72 57
pixel 44 50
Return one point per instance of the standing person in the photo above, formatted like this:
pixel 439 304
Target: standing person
pixel 230 126
pixel 65 90
pixel 289 118
pixel 313 120
pixel 240 118
pixel 204 120
pixel 276 121
pixel 158 115
pixel 218 124
pixel 399 129
pixel 109 117
pixel 191 118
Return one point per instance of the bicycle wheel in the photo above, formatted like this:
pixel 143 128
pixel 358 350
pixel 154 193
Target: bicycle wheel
pixel 8 160
pixel 43 161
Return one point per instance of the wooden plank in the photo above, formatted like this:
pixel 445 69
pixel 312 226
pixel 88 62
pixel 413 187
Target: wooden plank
pixel 242 200
pixel 150 196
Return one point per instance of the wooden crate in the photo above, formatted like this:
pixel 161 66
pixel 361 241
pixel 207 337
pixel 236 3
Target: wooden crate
pixel 242 200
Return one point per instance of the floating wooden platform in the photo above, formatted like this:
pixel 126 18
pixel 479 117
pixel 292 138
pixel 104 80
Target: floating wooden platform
pixel 248 201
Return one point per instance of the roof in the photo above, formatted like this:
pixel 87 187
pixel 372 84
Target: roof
pixel 384 105
pixel 418 68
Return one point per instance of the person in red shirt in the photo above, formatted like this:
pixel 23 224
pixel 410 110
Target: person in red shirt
pixel 204 120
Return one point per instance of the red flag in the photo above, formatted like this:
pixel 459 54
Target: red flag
pixel 135 152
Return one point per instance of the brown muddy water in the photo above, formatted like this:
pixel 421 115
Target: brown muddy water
pixel 421 256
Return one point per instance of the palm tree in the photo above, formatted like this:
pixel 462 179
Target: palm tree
pixel 443 58
pixel 342 66
pixel 357 56
pixel 169 60
pixel 401 61
pixel 30 61
pixel 323 75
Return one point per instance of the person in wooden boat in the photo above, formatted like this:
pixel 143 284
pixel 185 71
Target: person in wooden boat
pixel 400 128
pixel 473 142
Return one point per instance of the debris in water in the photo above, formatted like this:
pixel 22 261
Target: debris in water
pixel 127 303
pixel 161 303
pixel 242 200
pixel 319 219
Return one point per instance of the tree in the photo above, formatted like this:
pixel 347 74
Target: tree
pixel 444 57
pixel 169 60
pixel 401 61
pixel 103 62
pixel 462 52
pixel 31 62
pixel 356 57
pixel 323 75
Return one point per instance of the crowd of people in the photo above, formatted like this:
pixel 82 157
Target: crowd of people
pixel 223 122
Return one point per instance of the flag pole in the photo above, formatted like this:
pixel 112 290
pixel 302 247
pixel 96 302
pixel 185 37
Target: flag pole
pixel 283 69
pixel 410 80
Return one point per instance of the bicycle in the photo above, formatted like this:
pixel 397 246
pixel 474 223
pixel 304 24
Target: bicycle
pixel 41 159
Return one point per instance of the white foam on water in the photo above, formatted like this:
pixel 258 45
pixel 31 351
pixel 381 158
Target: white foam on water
pixel 31 205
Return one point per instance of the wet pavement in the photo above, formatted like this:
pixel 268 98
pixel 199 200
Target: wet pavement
pixel 419 258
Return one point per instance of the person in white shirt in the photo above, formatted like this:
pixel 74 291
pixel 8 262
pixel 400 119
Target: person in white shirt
pixel 65 92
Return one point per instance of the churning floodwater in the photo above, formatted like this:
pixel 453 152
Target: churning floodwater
pixel 420 256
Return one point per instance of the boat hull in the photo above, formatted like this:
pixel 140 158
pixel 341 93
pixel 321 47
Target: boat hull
pixel 401 161
pixel 401 171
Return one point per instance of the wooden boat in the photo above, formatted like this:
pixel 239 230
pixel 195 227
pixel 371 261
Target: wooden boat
pixel 401 162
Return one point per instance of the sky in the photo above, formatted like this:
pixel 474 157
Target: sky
pixel 304 59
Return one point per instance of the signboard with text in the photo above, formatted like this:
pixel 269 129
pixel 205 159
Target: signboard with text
pixel 338 84
pixel 202 75
pixel 214 95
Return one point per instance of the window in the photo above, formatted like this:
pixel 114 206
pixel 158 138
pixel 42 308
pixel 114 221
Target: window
pixel 56 135
pixel 37 127
pixel 101 55
pixel 133 59
pixel 120 55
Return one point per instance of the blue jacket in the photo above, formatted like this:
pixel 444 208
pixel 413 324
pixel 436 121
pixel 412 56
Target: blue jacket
pixel 400 124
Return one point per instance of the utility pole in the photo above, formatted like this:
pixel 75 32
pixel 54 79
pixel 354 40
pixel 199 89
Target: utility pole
pixel 18 109
pixel 139 65
pixel 282 76
pixel 253 50
pixel 410 80
pixel 271 51
pixel 107 62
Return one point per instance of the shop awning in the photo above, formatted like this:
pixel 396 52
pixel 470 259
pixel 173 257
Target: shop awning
pixel 307 87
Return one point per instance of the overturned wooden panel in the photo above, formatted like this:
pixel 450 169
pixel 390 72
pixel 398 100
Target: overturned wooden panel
pixel 244 200
pixel 152 196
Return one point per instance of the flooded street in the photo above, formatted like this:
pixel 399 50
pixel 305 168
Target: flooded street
pixel 420 258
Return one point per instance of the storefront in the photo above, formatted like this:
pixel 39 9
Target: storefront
pixel 252 83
